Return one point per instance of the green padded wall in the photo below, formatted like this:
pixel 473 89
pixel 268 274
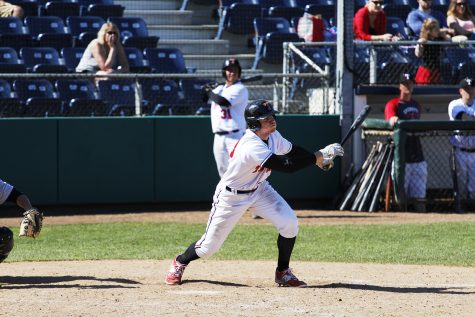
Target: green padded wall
pixel 152 159
pixel 29 157
pixel 106 160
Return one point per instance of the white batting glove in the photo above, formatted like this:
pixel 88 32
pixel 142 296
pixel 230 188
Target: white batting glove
pixel 331 151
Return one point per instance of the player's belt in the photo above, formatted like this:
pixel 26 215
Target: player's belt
pixel 226 132
pixel 234 191
pixel 463 149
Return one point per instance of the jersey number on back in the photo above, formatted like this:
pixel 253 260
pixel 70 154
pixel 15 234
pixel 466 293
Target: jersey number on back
pixel 225 114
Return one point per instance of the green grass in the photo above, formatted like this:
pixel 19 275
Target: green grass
pixel 437 243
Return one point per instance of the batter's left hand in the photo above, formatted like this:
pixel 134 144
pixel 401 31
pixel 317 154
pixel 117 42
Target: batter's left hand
pixel 331 151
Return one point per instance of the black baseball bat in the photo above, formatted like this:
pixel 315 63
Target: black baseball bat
pixel 358 121
pixel 386 170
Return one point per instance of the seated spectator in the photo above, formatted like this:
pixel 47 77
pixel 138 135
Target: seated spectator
pixel 105 54
pixel 416 17
pixel 10 10
pixel 429 71
pixel 369 23
pixel 460 18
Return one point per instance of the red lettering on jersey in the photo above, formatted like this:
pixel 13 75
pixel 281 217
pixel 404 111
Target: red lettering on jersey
pixel 232 152
pixel 260 169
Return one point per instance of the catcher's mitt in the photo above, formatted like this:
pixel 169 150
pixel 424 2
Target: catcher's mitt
pixel 31 224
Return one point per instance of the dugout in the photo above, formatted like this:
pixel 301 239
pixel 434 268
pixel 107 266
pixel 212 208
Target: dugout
pixel 441 194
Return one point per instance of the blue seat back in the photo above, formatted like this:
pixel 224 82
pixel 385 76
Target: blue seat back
pixel 130 26
pixel 396 26
pixel 165 60
pixel 239 18
pixel 72 56
pixel 39 55
pixel 33 88
pixel 74 88
pixel 134 56
pixel 8 55
pixel 81 24
pixel 273 50
pixel 262 26
pixel 11 25
pixel 45 24
pixel 5 89
pixel 161 92
pixel 117 92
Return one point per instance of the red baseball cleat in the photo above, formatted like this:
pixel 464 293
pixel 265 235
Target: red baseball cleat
pixel 287 278
pixel 175 273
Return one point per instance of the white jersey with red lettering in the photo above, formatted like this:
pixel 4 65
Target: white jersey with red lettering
pixel 244 188
pixel 232 118
pixel 245 171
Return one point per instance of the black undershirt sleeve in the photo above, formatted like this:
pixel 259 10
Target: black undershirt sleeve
pixel 220 100
pixel 297 159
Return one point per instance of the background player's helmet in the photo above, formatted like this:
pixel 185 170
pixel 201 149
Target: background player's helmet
pixel 6 242
pixel 257 110
pixel 231 62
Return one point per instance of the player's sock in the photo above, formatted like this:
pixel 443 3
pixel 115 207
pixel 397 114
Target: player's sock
pixel 285 246
pixel 188 256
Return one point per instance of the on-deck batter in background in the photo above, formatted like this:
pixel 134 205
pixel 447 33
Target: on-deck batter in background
pixel 228 102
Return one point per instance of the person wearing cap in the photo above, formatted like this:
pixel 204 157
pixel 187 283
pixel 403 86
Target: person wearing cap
pixel 415 171
pixel 228 102
pixel 463 108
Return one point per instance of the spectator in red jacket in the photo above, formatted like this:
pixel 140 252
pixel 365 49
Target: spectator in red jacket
pixel 369 23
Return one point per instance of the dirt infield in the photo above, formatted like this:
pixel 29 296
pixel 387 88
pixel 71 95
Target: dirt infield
pixel 236 288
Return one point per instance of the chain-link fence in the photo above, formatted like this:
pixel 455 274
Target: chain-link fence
pixel 442 180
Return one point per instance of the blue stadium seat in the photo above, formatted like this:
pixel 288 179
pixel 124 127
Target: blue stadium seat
pixel 9 106
pixel 72 56
pixel 134 32
pixel 285 12
pixel 12 34
pixel 396 26
pixel 49 31
pixel 136 60
pixel 42 60
pixel 79 99
pixel 270 34
pixel 119 95
pixel 193 93
pixel 164 97
pixel 37 97
pixel 237 18
pixel 104 10
pixel 61 9
pixel 9 62
pixel 84 28
pixel 165 60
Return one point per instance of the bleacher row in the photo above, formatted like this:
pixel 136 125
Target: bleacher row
pixel 114 97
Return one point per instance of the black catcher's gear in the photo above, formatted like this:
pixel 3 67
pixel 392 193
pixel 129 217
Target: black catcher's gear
pixel 6 242
pixel 231 62
pixel 258 110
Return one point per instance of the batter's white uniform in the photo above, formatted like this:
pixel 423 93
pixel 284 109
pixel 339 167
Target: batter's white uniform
pixel 245 173
pixel 228 124
pixel 5 190
pixel 464 149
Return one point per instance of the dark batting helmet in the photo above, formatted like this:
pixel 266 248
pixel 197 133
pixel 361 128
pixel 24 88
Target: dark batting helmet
pixel 231 62
pixel 258 110
pixel 6 242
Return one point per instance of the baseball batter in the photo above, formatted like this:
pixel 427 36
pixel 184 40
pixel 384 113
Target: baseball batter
pixel 244 187
pixel 227 112
pixel 30 225
pixel 415 171
pixel 464 109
